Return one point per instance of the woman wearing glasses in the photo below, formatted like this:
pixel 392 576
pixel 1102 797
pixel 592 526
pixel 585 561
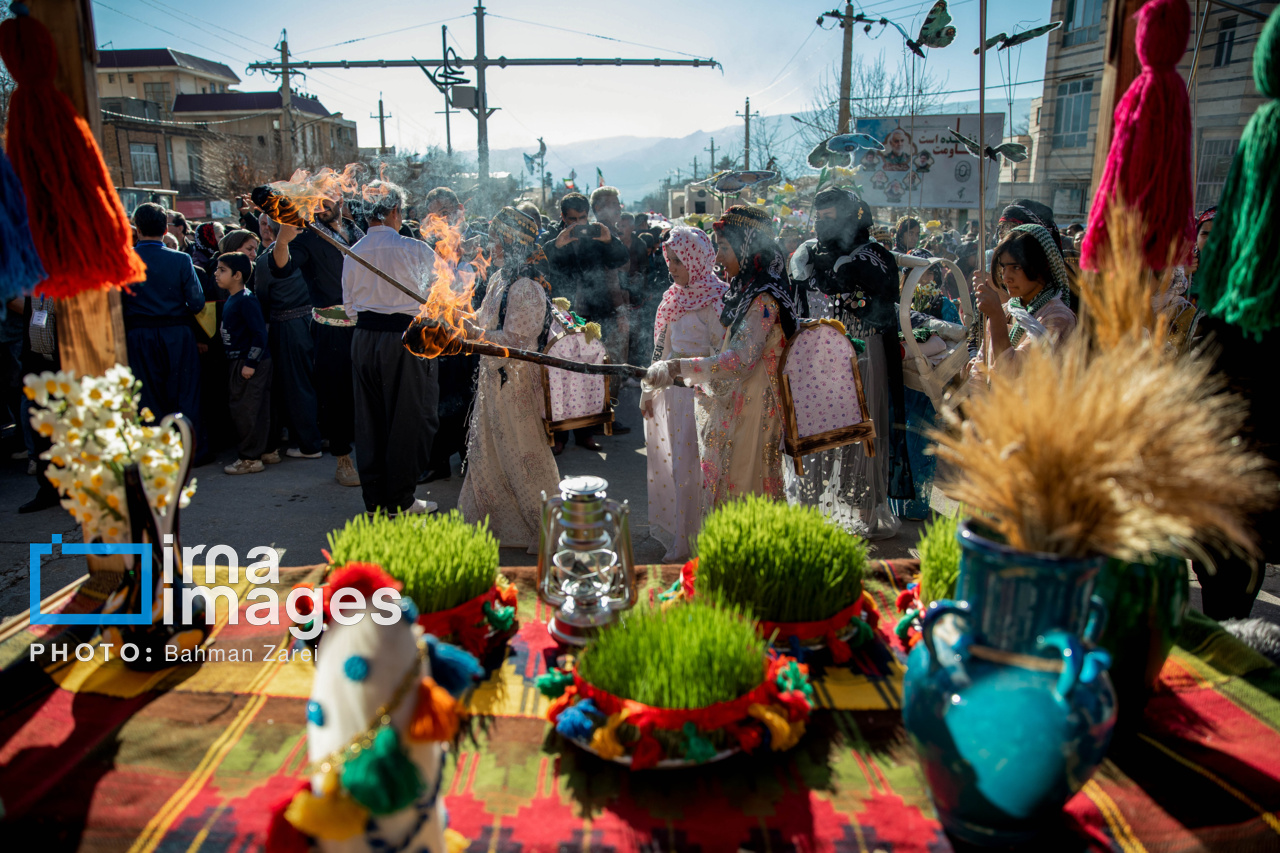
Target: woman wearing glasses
pixel 1028 265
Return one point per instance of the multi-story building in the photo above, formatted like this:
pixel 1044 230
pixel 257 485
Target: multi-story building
pixel 172 124
pixel 1064 120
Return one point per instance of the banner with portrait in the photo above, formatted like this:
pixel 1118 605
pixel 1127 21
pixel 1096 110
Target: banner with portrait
pixel 924 164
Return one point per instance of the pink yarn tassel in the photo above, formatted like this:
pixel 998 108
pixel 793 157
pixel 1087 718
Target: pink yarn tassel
pixel 1149 164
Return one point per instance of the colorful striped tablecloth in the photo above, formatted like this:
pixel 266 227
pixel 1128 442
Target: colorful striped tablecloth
pixel 95 757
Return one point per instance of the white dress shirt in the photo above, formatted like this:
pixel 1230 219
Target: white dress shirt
pixel 410 262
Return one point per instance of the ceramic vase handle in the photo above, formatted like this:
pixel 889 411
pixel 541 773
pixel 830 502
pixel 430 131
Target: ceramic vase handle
pixel 1072 662
pixel 929 618
pixel 1099 615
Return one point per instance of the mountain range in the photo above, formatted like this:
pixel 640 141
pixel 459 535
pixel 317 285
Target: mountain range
pixel 637 165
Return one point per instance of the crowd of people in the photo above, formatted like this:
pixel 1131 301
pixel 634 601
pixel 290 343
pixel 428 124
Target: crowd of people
pixel 275 342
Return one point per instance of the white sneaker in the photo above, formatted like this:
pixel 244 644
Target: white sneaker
pixel 244 466
pixel 421 507
pixel 271 458
pixel 296 453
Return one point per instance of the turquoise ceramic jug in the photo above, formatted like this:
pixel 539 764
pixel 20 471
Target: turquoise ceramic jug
pixel 1005 738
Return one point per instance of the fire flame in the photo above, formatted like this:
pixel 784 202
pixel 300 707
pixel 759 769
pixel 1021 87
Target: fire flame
pixel 439 328
pixel 310 191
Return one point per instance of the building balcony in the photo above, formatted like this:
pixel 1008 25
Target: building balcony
pixel 194 189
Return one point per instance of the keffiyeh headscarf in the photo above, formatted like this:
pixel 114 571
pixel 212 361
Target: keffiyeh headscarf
pixel 521 255
pixel 1059 287
pixel 693 247
pixel 761 267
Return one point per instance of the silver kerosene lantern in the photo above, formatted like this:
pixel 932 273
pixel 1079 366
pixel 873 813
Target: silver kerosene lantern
pixel 585 569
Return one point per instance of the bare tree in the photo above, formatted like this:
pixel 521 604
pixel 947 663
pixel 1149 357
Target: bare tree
pixel 875 89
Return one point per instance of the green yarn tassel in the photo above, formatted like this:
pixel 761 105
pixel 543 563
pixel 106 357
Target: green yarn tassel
pixel 1240 265
pixel 697 749
pixel 500 618
pixel 383 778
pixel 552 684
pixel 672 592
pixel 862 633
pixel 791 678
pixel 903 628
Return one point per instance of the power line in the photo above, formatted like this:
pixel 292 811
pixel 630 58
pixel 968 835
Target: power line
pixel 380 35
pixel 785 65
pixel 168 123
pixel 593 35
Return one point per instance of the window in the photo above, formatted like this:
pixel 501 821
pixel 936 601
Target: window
pixel 130 77
pixel 168 154
pixel 145 159
pixel 158 92
pixel 1071 116
pixel 1082 22
pixel 1069 198
pixel 195 160
pixel 1212 168
pixel 111 78
pixel 1226 41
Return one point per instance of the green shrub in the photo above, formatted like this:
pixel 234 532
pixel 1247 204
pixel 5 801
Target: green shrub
pixel 689 656
pixel 939 559
pixel 784 563
pixel 441 560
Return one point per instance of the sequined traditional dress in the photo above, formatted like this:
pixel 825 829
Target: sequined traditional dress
pixel 671 438
pixel 737 411
pixel 509 463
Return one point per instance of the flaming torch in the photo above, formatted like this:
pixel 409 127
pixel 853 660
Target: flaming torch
pixel 441 328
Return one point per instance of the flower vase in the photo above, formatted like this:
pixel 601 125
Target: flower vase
pixel 1015 596
pixel 1147 603
pixel 1004 738
pixel 165 631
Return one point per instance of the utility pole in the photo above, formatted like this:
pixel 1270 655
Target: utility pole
pixel 448 136
pixel 482 98
pixel 382 126
pixel 847 19
pixel 481 110
pixel 712 149
pixel 746 144
pixel 695 168
pixel 542 172
pixel 286 109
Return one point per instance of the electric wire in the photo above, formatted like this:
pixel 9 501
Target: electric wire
pixel 594 35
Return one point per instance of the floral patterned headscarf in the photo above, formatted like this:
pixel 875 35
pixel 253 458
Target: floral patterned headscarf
pixel 693 247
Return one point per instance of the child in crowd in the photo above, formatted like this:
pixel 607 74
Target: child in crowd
pixel 244 337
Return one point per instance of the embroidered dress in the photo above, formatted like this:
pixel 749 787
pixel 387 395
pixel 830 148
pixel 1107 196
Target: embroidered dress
pixel 509 463
pixel 736 408
pixel 687 326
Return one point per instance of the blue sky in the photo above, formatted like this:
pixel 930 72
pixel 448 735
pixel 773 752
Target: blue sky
pixel 771 51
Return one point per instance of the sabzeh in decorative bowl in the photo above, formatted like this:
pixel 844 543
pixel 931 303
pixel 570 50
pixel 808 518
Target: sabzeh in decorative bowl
pixel 679 687
pixel 790 568
pixel 449 569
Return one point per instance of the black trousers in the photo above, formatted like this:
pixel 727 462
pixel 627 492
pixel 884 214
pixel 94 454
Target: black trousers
pixel 332 379
pixel 457 381
pixel 250 406
pixel 293 391
pixel 167 363
pixel 396 394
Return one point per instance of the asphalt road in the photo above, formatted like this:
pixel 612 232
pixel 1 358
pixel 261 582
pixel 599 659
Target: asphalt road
pixel 294 505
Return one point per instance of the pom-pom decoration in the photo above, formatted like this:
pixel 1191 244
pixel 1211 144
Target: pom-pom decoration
pixel 20 267
pixel 1240 265
pixel 1149 164
pixel 59 164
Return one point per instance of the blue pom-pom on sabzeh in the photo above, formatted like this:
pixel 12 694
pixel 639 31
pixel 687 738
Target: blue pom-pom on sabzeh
pixel 576 722
pixel 452 668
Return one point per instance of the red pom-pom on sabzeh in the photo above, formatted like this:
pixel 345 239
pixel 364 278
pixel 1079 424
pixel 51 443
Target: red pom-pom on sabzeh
pixel 57 159
pixel 366 578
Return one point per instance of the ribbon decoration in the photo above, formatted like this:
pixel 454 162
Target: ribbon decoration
pixel 469 622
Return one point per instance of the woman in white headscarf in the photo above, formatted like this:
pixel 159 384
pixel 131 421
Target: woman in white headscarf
pixel 687 326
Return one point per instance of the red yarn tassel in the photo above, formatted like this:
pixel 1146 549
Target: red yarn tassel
pixel 282 837
pixel 1149 164
pixel 57 159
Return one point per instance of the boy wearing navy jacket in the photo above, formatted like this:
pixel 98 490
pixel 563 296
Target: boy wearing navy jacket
pixel 244 337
